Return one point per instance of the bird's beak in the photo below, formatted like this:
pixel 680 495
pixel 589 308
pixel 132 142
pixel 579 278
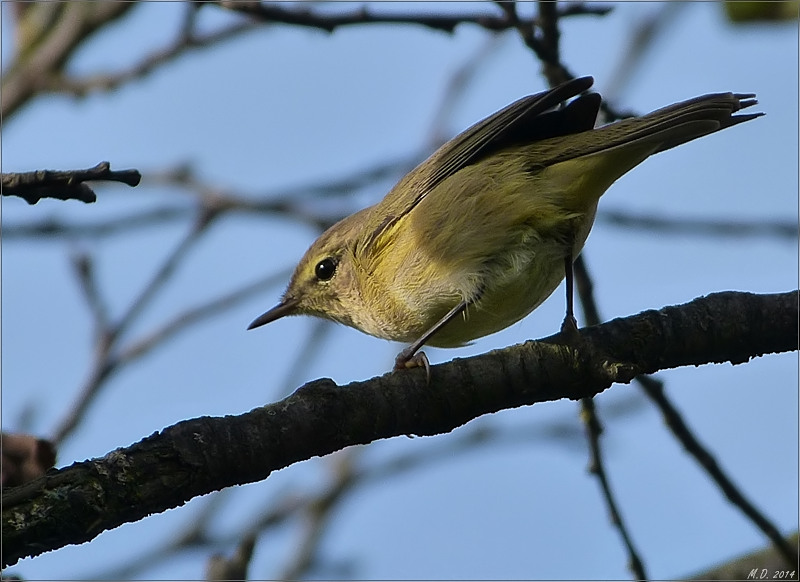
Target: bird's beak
pixel 285 307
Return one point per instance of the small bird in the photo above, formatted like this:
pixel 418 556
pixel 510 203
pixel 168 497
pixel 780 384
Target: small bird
pixel 483 231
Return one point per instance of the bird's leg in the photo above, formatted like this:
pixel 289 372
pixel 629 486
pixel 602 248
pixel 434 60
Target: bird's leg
pixel 409 358
pixel 569 327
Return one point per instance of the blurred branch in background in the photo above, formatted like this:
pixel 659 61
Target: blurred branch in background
pixel 110 357
pixel 674 420
pixel 187 39
pixel 654 389
pixel 48 35
pixel 234 568
pixel 291 203
pixel 597 467
pixel 708 227
pixel 546 46
pixel 641 42
pixel 457 85
pixel 329 21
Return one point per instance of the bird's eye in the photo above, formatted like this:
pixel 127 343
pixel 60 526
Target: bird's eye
pixel 325 269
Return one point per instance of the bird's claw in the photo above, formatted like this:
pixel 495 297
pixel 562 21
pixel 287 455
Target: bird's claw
pixel 405 361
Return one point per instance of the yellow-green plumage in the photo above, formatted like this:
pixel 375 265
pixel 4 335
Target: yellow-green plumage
pixel 488 219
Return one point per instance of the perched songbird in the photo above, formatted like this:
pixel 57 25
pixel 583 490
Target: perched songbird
pixel 482 232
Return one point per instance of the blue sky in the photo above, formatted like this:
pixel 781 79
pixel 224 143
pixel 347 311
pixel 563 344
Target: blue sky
pixel 286 107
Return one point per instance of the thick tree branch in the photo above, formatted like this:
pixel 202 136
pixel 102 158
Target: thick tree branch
pixel 75 504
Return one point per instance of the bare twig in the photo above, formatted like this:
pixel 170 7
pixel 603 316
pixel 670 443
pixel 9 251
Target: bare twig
pixel 38 66
pixel 547 44
pixel 594 428
pixel 328 22
pixel 288 202
pixel 674 420
pixel 164 272
pixel 64 184
pixel 596 466
pixel 654 389
pixel 568 9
